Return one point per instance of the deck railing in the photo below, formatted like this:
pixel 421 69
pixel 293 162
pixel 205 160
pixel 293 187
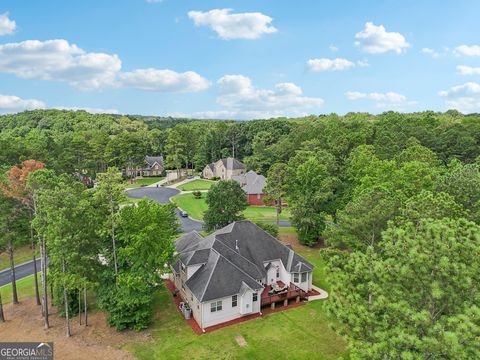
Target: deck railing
pixel 292 292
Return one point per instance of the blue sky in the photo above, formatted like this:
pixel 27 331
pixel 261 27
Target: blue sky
pixel 258 59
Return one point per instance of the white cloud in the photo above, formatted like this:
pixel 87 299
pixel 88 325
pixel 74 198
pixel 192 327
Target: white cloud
pixel 363 63
pixel 467 50
pixel 163 80
pixel 13 104
pixel 60 61
pixel 376 40
pixel 234 26
pixel 465 98
pixel 468 70
pixel 333 48
pixel 88 109
pixel 7 26
pixel 240 97
pixel 382 100
pixel 324 64
pixel 430 52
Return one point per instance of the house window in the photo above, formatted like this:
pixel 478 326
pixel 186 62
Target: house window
pixel 255 296
pixel 234 300
pixel 304 277
pixel 278 273
pixel 216 306
pixel 295 277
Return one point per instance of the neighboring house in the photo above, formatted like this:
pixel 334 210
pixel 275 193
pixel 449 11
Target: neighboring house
pixel 224 169
pixel 153 167
pixel 235 271
pixel 253 185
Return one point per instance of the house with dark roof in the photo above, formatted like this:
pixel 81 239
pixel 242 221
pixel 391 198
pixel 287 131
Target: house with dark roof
pixel 152 166
pixel 224 169
pixel 236 271
pixel 253 185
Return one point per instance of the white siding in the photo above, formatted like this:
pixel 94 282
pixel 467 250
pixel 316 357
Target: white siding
pixel 228 313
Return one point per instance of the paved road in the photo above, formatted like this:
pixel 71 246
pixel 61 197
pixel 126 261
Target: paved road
pixel 163 195
pixel 20 272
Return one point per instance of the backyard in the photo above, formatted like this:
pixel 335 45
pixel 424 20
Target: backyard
pixel 196 207
pixel 298 333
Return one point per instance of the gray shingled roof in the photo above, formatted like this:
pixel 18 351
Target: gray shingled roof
pixel 150 160
pixel 232 164
pixel 233 257
pixel 251 182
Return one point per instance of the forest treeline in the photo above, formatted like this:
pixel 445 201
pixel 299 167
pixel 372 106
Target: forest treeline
pixel 396 197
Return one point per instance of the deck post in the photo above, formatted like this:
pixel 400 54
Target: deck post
pixel 272 305
pixel 297 299
pixel 285 302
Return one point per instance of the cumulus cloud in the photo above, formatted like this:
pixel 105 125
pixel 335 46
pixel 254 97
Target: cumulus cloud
pixel 467 50
pixel 376 40
pixel 468 70
pixel 164 80
pixel 465 98
pixel 430 52
pixel 238 95
pixel 338 64
pixel 333 48
pixel 7 26
pixel 13 104
pixel 61 61
pixel 324 64
pixel 234 26
pixel 382 100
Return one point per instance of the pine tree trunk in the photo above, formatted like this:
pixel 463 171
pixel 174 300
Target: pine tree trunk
pixel 34 258
pixel 112 215
pixel 65 302
pixel 51 293
pixel 85 303
pixel 79 306
pixel 12 272
pixel 44 283
pixel 2 316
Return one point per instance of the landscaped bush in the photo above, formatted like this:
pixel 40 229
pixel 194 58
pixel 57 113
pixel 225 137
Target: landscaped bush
pixel 197 194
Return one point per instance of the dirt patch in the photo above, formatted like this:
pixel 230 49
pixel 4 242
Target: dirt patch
pixel 292 239
pixel 241 341
pixel 96 341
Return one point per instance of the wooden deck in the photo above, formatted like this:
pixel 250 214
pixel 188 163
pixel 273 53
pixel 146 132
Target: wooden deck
pixel 291 293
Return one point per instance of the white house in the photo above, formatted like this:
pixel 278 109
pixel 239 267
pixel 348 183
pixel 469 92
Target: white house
pixel 236 271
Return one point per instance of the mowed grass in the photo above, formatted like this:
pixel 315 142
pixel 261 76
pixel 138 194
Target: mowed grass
pixel 144 182
pixel 21 254
pixel 196 207
pixel 25 289
pixel 197 185
pixel 298 333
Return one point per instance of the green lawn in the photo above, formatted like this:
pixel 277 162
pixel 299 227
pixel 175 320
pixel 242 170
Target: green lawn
pixel 21 255
pixel 197 185
pixel 196 207
pixel 25 289
pixel 143 182
pixel 298 333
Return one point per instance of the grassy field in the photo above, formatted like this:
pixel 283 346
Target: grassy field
pixel 298 333
pixel 197 185
pixel 21 255
pixel 196 207
pixel 143 182
pixel 25 289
